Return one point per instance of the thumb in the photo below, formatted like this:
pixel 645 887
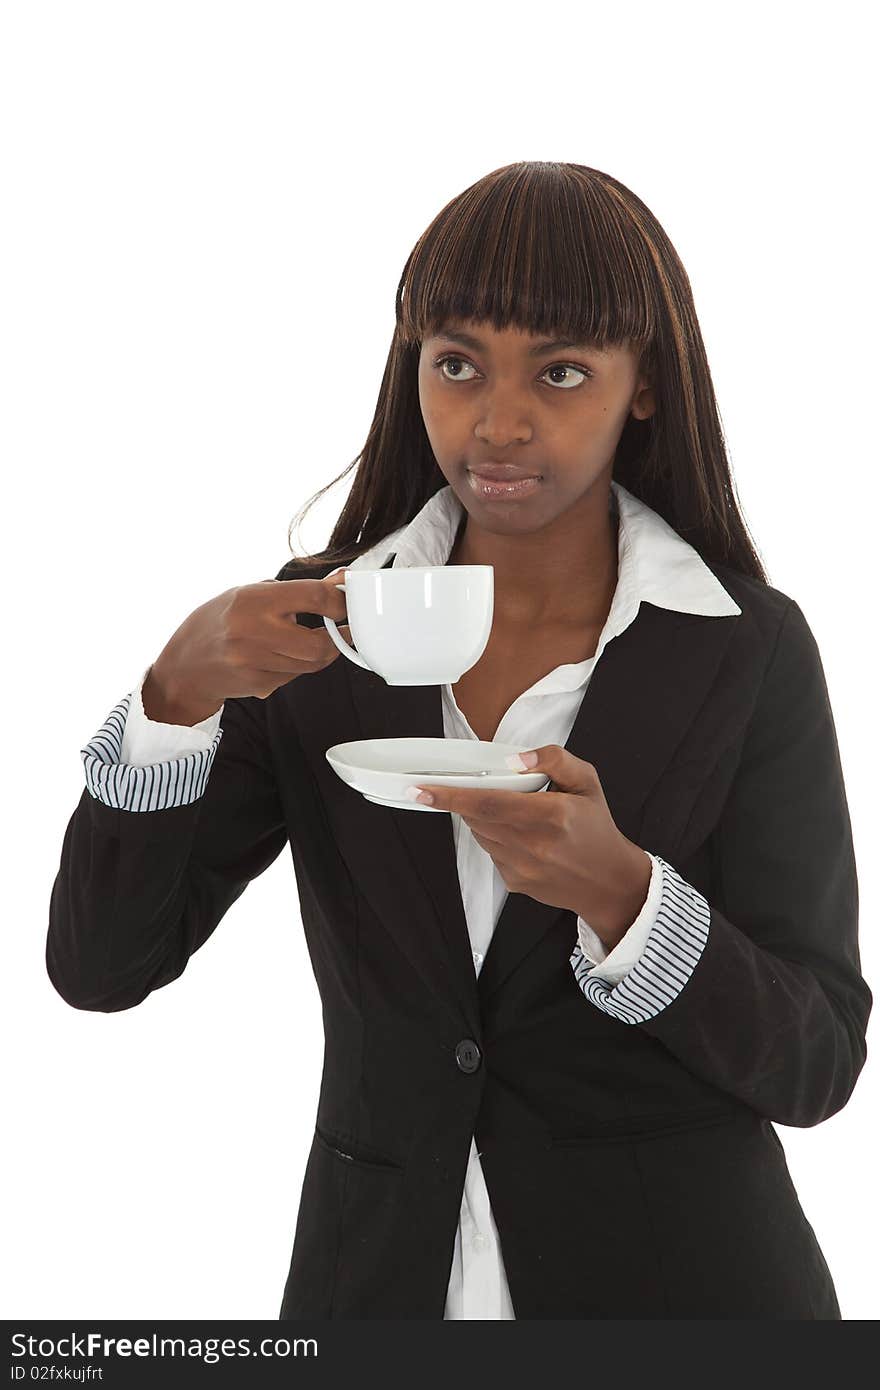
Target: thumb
pixel 567 772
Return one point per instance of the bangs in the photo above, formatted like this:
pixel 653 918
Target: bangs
pixel 542 247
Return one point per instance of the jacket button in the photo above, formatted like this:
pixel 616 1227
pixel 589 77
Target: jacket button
pixel 467 1055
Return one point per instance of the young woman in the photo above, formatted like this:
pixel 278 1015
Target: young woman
pixel 558 1028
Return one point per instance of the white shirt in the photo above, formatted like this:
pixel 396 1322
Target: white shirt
pixel 654 564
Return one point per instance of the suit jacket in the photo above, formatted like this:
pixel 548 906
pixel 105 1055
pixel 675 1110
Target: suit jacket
pixel 633 1169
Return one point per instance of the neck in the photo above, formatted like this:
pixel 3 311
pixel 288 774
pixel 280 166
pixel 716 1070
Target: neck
pixel 563 574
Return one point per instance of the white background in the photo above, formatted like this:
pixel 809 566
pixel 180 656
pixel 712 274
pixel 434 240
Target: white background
pixel 207 208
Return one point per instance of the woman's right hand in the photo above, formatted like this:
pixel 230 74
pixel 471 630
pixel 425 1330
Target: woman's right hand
pixel 245 641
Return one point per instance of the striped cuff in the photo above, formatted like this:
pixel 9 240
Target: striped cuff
pixel 670 955
pixel 155 787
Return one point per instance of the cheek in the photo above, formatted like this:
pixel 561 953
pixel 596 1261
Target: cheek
pixel 441 421
pixel 429 402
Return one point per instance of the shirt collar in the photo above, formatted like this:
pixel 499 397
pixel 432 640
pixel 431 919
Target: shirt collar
pixel 654 563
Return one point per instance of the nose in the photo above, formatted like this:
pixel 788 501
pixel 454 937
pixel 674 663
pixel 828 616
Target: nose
pixel 502 419
pixel 498 429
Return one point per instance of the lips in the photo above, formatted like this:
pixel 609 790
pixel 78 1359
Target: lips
pixel 504 490
pixel 501 472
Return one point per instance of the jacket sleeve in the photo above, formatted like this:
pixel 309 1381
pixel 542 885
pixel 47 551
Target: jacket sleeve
pixel 771 1006
pixel 154 856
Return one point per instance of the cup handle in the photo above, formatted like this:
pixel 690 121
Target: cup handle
pixel 340 642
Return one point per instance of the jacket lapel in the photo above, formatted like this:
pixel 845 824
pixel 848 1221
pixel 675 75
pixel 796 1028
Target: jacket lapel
pixel 627 726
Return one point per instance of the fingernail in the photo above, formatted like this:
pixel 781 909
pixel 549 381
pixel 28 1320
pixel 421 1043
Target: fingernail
pixel 520 761
pixel 416 794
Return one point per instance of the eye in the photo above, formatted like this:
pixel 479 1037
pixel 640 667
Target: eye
pixel 441 362
pixel 567 367
pixel 556 367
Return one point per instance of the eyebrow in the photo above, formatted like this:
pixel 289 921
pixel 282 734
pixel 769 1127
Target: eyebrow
pixel 456 335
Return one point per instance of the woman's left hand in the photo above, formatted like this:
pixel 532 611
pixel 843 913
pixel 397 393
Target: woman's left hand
pixel 560 846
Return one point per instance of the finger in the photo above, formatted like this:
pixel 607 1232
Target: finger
pixel 313 650
pixel 486 807
pixel 488 843
pixel 319 596
pixel 512 854
pixel 507 866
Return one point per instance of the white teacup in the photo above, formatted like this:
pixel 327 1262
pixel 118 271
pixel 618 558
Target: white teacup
pixel 417 625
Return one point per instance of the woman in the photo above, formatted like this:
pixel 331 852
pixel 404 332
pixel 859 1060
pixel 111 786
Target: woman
pixel 558 1028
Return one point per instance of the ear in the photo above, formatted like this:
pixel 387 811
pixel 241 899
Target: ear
pixel 643 402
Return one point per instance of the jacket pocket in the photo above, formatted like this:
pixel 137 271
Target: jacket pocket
pixel 354 1154
pixel 638 1127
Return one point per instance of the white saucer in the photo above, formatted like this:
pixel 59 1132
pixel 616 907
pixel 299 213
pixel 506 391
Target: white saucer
pixel 382 768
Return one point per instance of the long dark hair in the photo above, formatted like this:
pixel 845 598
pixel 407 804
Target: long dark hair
pixel 549 247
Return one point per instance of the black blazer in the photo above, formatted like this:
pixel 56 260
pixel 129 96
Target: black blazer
pixel 633 1170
